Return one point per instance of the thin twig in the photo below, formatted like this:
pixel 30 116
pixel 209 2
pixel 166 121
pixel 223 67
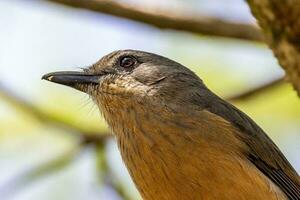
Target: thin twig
pixel 45 169
pixel 256 91
pixel 102 164
pixel 167 19
pixel 27 107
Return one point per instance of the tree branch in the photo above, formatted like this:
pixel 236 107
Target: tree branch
pixel 280 21
pixel 167 19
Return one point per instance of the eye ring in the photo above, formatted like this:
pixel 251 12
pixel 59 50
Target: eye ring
pixel 127 61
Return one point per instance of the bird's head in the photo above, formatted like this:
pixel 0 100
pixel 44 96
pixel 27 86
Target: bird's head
pixel 124 77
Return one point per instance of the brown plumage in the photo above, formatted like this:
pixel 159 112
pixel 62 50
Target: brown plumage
pixel 177 138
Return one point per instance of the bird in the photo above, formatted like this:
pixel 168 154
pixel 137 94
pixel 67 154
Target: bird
pixel 178 139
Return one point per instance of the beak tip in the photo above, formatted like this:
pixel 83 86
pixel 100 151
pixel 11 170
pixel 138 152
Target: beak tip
pixel 47 77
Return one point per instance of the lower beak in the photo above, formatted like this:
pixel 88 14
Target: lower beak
pixel 71 79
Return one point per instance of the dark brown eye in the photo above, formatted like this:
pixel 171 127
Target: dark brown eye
pixel 127 62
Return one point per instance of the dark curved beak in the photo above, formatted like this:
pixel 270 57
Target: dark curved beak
pixel 71 79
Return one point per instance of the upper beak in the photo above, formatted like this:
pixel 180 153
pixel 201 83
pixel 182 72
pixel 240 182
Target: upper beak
pixel 71 79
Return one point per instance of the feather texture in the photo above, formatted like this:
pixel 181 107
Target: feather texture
pixel 262 152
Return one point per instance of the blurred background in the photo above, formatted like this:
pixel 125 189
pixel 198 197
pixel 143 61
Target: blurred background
pixel 54 144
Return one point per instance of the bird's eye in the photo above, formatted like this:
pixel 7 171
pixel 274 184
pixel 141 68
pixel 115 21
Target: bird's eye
pixel 127 62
